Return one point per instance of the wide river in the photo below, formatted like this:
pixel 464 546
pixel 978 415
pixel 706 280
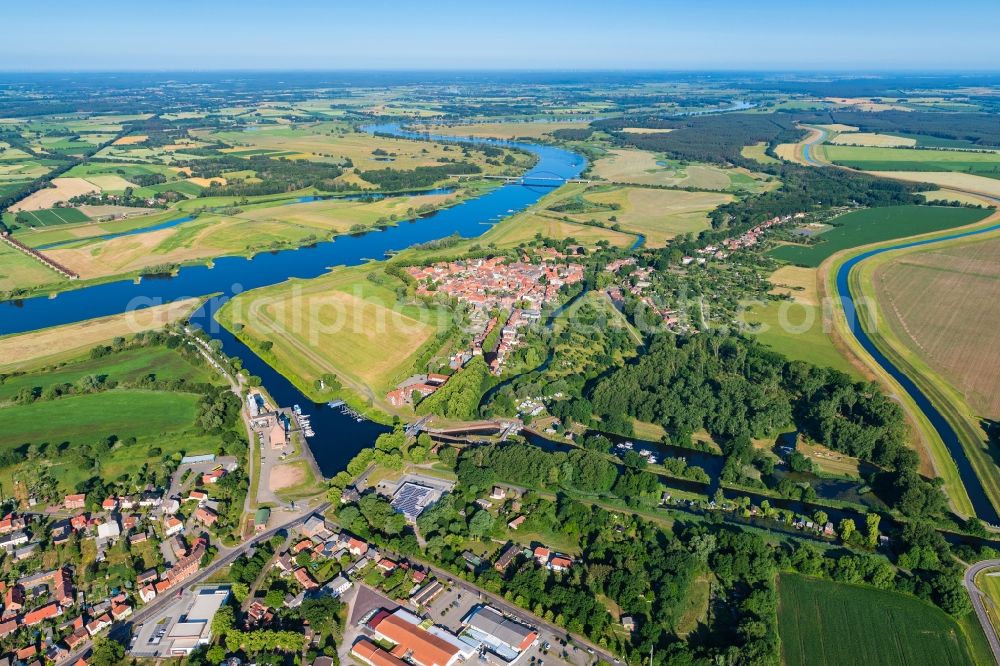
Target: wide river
pixel 338 436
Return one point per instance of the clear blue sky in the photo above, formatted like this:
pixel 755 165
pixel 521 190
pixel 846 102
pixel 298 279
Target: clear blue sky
pixel 501 34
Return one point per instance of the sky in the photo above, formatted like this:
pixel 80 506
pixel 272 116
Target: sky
pixel 785 35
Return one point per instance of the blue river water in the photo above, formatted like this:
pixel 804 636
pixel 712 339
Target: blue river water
pixel 980 502
pixel 338 436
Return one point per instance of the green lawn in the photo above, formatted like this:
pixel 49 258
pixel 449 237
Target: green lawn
pixel 873 225
pixel 163 422
pixel 824 623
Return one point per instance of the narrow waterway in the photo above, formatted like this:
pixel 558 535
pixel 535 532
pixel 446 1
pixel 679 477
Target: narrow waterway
pixel 980 501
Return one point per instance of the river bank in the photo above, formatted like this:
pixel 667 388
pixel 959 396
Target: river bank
pixel 955 458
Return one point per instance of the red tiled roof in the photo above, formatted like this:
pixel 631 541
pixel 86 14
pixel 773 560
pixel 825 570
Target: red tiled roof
pixel 367 651
pixel 40 614
pixel 421 647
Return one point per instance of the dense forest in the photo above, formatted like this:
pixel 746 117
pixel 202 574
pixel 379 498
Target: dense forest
pixel 276 175
pixel 737 390
pixel 981 129
pixel 712 138
pixel 421 177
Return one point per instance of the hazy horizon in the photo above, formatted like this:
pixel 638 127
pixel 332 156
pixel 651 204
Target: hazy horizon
pixel 640 35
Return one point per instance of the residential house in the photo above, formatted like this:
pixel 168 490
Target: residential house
pixel 304 579
pixel 206 516
pixel 39 615
pixel 213 476
pixel 9 542
pixel 507 558
pixel 357 547
pixel 172 526
pixel 75 501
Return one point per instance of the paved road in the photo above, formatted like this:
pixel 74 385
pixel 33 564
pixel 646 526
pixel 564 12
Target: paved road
pixel 980 606
pixel 122 630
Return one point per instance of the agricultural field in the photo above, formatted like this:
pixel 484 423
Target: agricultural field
pixel 532 130
pixel 962 181
pixel 137 218
pixel 657 215
pixel 963 198
pixel 129 365
pixel 524 227
pixel 64 190
pixel 874 225
pixel 981 163
pixel 51 217
pixel 945 306
pixel 837 624
pixel 872 139
pixel 756 153
pixel 640 167
pixel 43 347
pixel 341 323
pixel 206 237
pixel 340 216
pixel 336 143
pixel 796 328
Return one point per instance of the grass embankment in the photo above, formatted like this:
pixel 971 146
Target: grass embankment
pixel 988 583
pixel 822 622
pixel 934 454
pixel 21 273
pixel 44 347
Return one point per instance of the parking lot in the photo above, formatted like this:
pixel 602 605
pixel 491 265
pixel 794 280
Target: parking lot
pixel 453 604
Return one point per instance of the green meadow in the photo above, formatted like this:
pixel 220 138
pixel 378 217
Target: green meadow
pixel 824 623
pixel 873 225
pixel 162 422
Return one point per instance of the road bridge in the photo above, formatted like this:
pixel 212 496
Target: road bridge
pixel 536 181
